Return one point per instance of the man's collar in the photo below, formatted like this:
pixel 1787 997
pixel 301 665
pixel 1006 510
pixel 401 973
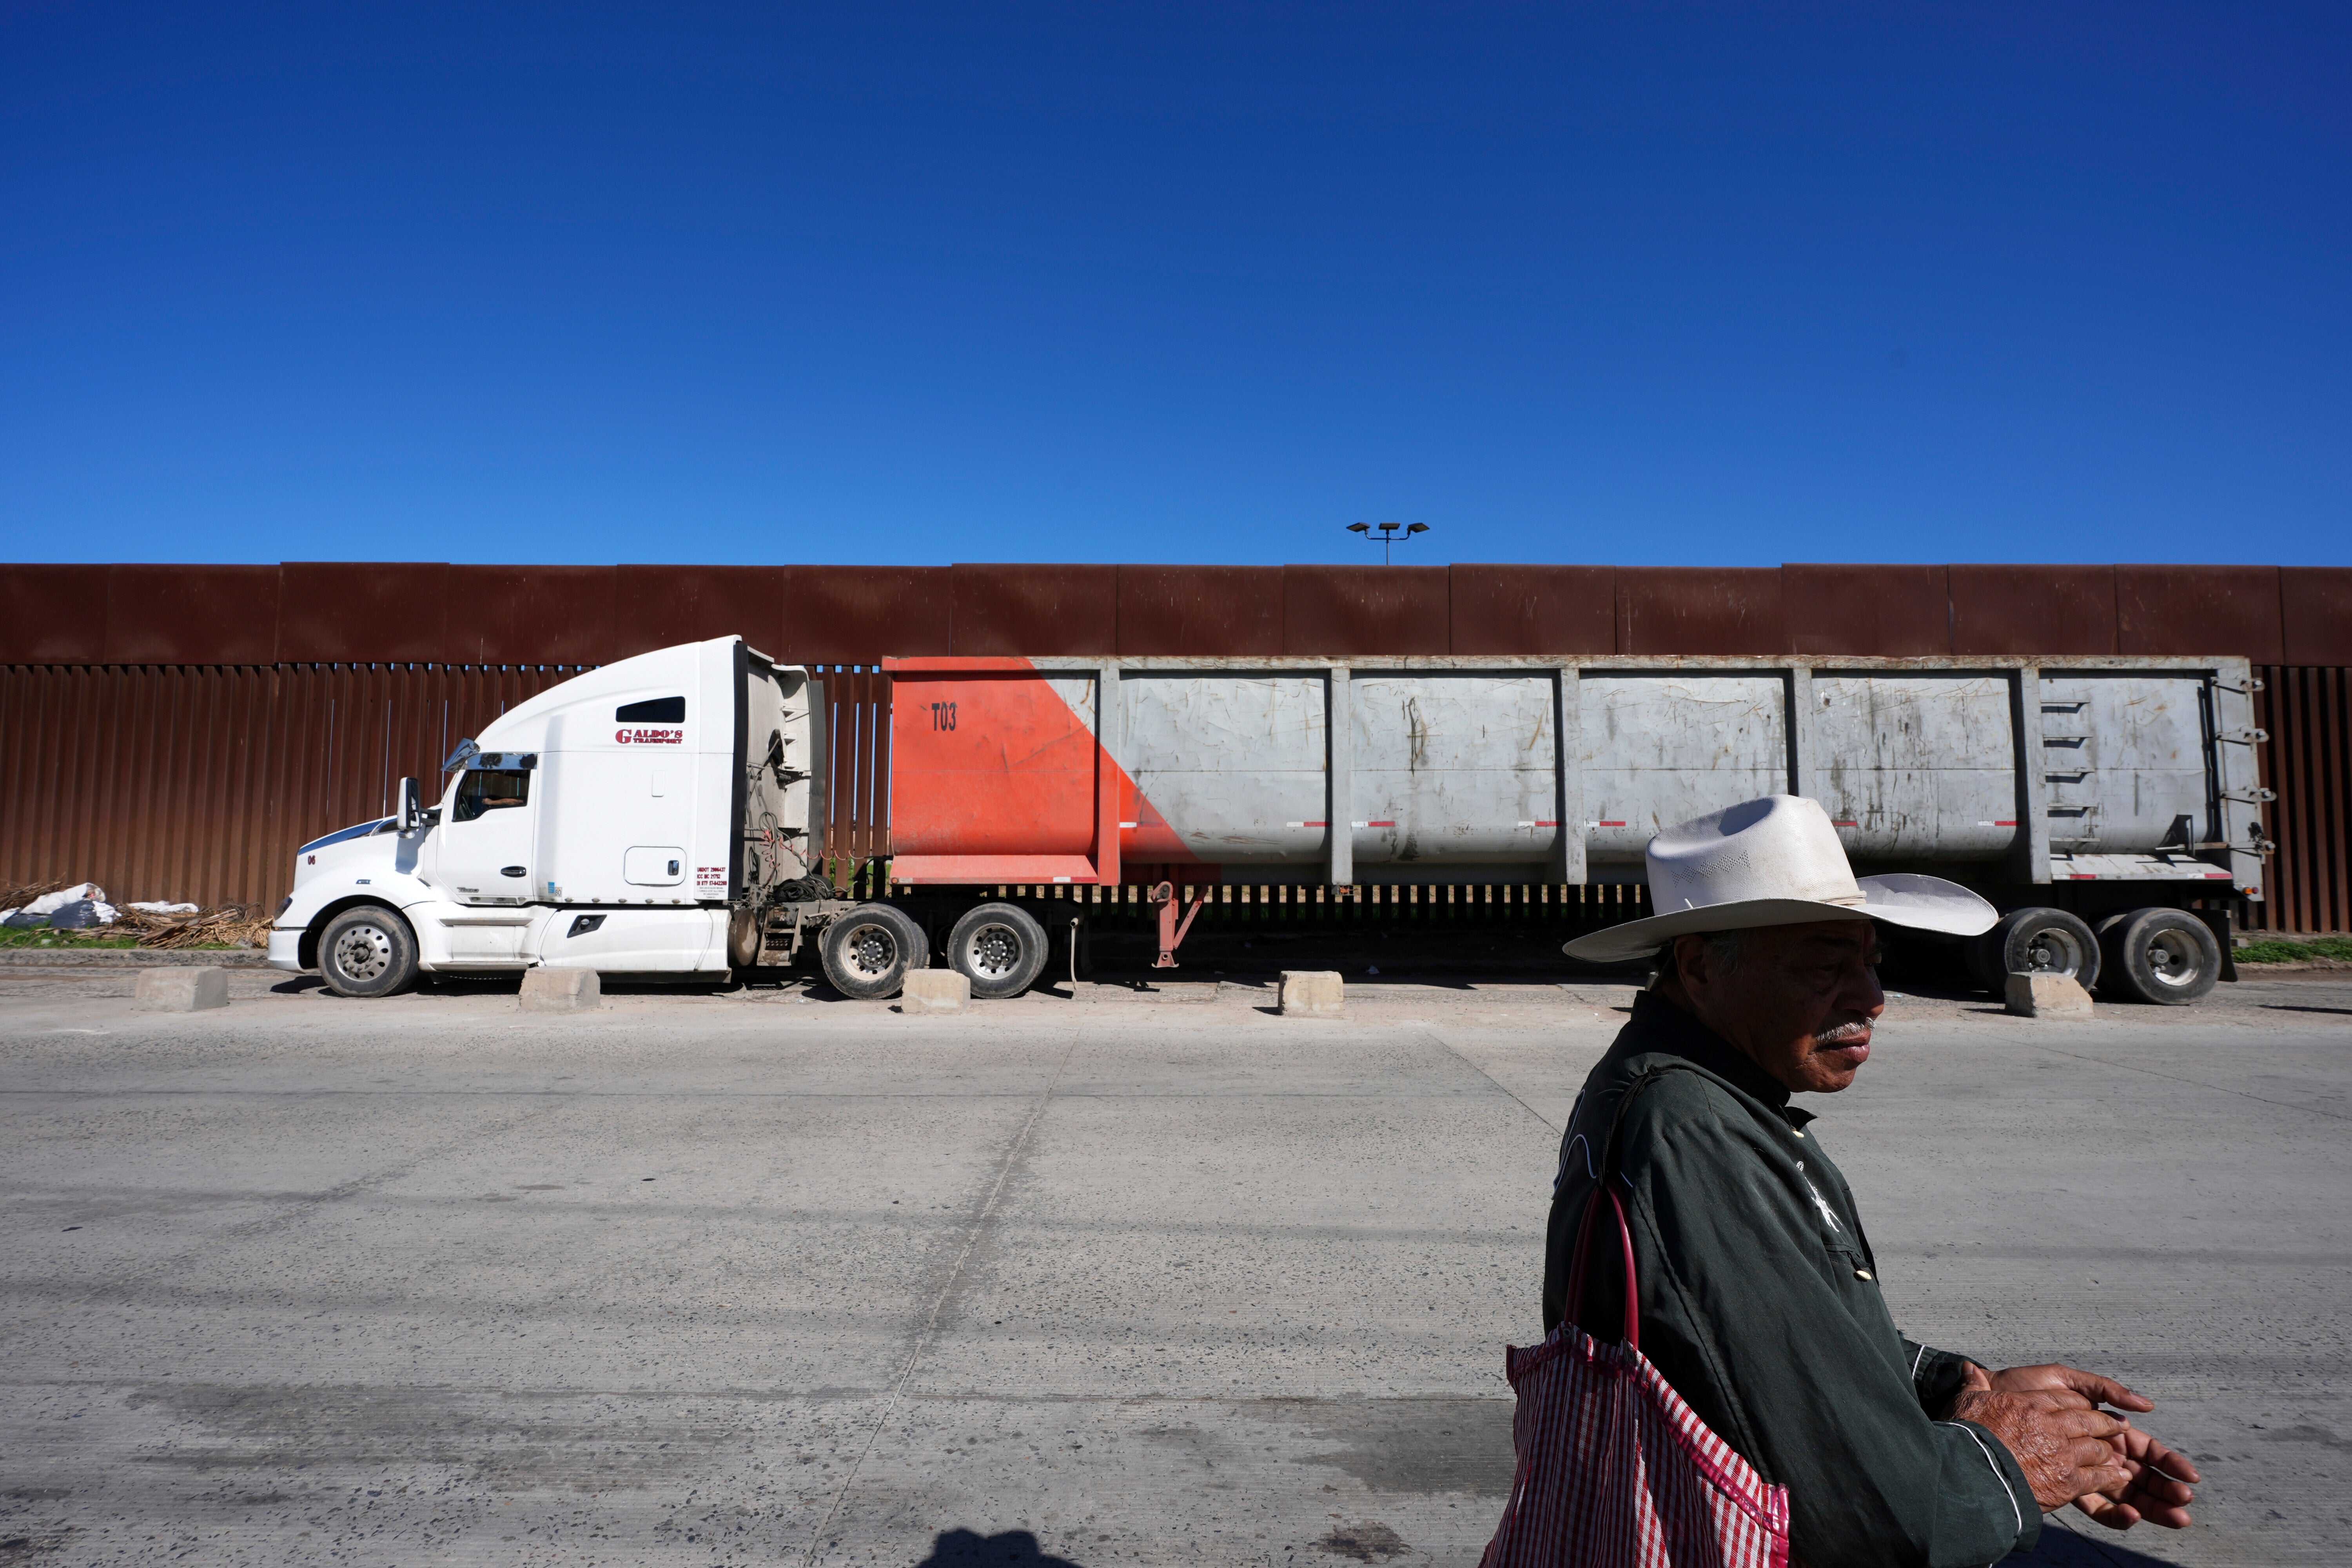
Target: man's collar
pixel 1690 1038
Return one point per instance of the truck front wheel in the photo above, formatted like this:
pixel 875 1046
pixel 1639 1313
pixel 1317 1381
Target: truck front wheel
pixel 367 951
pixel 867 951
pixel 2165 956
pixel 1000 948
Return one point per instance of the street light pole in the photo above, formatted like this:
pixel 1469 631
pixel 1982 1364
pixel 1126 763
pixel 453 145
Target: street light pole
pixel 1387 535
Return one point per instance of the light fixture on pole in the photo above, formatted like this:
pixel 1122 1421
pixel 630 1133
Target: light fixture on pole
pixel 1387 535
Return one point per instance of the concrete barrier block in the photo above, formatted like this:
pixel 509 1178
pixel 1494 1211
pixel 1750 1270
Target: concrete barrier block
pixel 560 990
pixel 1312 993
pixel 180 990
pixel 935 991
pixel 2048 996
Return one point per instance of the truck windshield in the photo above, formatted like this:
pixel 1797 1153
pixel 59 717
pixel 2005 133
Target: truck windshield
pixel 487 790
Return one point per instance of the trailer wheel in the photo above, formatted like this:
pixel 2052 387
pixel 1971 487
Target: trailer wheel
pixel 2165 956
pixel 867 951
pixel 2034 941
pixel 367 951
pixel 1000 948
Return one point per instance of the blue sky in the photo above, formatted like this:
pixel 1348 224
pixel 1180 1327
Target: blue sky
pixel 1632 284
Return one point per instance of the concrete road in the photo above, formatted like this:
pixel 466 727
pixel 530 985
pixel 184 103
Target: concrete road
pixel 1098 1280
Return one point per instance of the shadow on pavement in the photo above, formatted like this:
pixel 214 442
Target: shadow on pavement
pixel 968 1548
pixel 2064 1546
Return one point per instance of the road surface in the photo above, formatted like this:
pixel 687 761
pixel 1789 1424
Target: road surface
pixel 1103 1278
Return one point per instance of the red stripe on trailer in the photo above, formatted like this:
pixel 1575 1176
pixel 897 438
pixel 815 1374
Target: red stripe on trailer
pixel 1613 825
pixel 990 763
pixel 970 663
pixel 995 778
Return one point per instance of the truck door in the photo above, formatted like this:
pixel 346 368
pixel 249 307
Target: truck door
pixel 489 829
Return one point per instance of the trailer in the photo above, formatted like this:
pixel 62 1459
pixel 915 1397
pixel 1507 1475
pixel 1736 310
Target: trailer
pixel 2108 805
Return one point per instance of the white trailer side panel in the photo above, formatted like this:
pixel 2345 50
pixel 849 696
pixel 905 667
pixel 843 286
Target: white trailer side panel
pixel 1662 749
pixel 1916 766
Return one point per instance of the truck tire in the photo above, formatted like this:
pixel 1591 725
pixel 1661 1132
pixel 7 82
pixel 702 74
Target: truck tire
pixel 742 939
pixel 2034 941
pixel 367 951
pixel 867 951
pixel 2165 956
pixel 1000 948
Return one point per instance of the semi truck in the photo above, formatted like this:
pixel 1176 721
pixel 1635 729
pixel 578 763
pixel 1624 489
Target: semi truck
pixel 665 816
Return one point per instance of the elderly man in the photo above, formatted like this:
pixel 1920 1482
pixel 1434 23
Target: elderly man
pixel 1758 1293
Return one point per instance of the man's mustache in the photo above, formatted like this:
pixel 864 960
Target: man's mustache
pixel 1841 1034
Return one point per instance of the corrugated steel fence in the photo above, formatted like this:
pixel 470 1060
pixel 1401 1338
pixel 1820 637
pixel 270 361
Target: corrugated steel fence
pixel 199 782
pixel 177 731
pixel 2308 713
pixel 857 754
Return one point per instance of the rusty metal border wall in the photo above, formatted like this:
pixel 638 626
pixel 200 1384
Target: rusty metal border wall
pixel 199 782
pixel 858 754
pixel 2308 713
pixel 177 731
pixel 493 616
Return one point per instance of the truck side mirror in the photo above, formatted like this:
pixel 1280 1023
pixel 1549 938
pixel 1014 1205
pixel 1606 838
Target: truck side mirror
pixel 412 806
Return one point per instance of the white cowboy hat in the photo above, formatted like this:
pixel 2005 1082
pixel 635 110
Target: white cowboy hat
pixel 1773 862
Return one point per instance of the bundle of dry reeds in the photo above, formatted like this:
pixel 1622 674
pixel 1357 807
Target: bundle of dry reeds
pixel 234 925
pixel 237 925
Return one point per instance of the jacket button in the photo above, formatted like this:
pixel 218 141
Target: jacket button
pixel 1862 1273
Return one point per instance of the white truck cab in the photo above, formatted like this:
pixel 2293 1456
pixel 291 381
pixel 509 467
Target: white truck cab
pixel 634 819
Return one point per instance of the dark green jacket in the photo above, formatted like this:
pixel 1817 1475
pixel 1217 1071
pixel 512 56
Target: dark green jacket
pixel 1760 1304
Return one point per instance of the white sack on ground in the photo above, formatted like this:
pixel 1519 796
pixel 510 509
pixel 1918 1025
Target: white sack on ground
pixel 68 909
pixel 152 907
pixel 50 903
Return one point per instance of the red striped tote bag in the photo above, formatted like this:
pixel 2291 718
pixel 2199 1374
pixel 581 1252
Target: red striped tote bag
pixel 1614 1470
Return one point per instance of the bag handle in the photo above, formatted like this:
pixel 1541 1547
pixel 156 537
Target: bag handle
pixel 1625 1240
pixel 1601 1188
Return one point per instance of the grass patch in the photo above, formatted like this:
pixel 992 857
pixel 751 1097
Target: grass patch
pixel 41 936
pixel 2276 951
pixel 16 938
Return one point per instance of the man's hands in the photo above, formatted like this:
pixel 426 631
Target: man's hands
pixel 2053 1377
pixel 2065 1452
pixel 2157 1491
pixel 2073 1452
